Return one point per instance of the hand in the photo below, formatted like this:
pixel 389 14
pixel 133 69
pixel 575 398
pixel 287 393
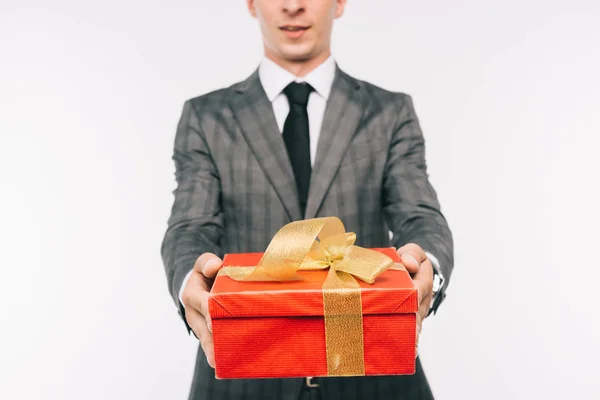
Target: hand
pixel 419 267
pixel 195 300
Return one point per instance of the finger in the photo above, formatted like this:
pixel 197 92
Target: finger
pixel 198 324
pixel 201 261
pixel 410 262
pixel 421 315
pixel 196 284
pixel 212 266
pixel 203 308
pixel 411 255
pixel 398 267
pixel 422 287
pixel 424 306
pixel 415 250
pixel 423 280
pixel 196 296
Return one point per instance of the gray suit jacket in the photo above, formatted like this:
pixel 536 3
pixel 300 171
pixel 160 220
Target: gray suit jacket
pixel 236 189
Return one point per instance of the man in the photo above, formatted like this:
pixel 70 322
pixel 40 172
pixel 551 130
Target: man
pixel 300 139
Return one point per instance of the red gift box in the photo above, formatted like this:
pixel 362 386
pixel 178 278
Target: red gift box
pixel 277 329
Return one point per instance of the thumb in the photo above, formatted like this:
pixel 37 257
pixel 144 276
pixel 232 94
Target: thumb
pixel 212 266
pixel 410 262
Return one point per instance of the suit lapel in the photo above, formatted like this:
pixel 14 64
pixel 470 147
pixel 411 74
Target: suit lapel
pixel 254 114
pixel 343 114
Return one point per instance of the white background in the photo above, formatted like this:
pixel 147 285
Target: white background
pixel 90 94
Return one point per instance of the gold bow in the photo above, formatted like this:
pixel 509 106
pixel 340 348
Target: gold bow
pixel 294 248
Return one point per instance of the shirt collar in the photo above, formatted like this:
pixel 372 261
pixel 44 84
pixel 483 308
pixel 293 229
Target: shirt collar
pixel 275 78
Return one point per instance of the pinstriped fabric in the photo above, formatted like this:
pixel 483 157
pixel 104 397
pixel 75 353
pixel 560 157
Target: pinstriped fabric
pixel 379 387
pixel 235 190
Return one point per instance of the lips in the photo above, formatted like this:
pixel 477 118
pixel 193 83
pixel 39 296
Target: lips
pixel 293 28
pixel 294 31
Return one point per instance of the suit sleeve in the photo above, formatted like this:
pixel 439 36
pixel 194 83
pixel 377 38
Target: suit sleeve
pixel 195 225
pixel 411 205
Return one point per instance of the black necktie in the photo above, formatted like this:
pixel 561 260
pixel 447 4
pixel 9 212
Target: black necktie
pixel 296 137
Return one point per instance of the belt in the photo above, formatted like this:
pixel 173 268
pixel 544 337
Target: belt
pixel 310 382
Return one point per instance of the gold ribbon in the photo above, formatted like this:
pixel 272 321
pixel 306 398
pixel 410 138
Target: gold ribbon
pixel 294 248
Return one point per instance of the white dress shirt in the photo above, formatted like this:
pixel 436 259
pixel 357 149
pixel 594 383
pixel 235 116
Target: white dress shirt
pixel 274 79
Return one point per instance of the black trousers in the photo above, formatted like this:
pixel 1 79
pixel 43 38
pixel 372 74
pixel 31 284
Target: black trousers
pixel 408 387
pixel 309 393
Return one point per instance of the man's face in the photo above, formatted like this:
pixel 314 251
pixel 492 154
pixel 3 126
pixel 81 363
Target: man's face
pixel 296 30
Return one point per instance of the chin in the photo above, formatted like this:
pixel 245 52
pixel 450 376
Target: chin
pixel 297 53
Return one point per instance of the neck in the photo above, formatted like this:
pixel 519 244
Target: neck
pixel 299 68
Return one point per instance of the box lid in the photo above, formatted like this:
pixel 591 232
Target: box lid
pixel 392 293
